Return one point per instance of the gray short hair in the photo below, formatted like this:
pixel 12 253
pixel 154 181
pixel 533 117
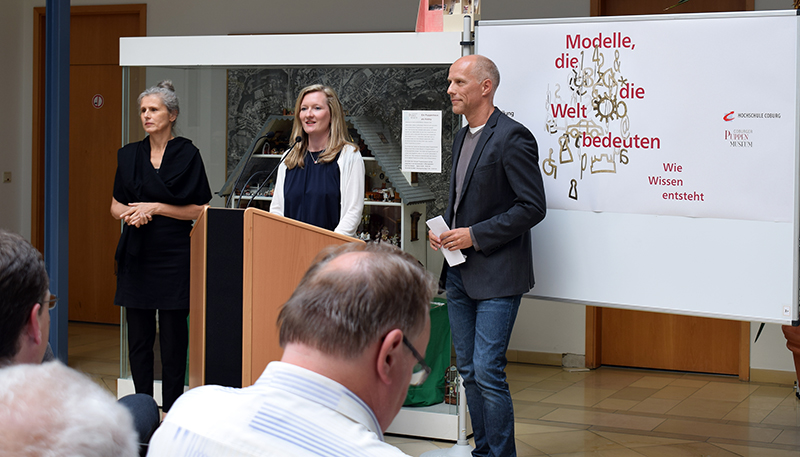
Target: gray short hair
pixel 166 91
pixel 53 410
pixel 484 68
pixel 341 311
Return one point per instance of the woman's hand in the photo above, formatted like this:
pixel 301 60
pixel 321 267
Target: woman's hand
pixel 140 213
pixel 131 217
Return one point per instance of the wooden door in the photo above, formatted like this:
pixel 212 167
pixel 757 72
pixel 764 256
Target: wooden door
pixel 666 341
pixel 93 233
pixel 95 136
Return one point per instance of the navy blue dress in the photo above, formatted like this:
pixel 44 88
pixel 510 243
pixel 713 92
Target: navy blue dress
pixel 312 194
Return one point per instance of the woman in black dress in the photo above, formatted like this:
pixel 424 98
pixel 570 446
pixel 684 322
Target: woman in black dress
pixel 159 188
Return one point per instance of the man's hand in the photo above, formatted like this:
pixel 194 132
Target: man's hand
pixel 434 240
pixel 455 239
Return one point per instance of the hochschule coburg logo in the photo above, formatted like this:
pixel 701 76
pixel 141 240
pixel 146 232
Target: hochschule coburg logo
pixel 728 117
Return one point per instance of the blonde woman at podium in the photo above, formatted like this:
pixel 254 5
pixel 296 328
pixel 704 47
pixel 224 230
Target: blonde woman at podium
pixel 159 188
pixel 321 180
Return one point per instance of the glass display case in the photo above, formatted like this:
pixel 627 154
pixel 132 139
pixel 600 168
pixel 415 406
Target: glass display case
pixel 235 102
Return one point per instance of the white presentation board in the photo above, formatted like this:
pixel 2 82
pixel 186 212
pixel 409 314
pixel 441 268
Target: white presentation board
pixel 669 151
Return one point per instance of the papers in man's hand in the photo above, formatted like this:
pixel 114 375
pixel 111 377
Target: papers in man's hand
pixel 439 226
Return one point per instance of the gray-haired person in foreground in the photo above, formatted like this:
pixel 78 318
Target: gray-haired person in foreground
pixel 52 410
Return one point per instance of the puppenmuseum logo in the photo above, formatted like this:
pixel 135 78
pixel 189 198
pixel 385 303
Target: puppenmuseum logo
pixel 739 138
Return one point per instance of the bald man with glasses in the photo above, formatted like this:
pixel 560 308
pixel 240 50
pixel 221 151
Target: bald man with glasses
pixel 352 335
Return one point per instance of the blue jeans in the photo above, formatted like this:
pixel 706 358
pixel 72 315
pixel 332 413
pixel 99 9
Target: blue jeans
pixel 481 331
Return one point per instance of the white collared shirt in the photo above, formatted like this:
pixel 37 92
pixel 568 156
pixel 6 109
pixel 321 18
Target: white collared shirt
pixel 289 411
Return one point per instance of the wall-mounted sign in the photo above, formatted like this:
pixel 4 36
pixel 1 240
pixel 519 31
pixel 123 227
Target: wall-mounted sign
pixel 98 101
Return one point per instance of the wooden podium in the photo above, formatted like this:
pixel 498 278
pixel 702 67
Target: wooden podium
pixel 245 265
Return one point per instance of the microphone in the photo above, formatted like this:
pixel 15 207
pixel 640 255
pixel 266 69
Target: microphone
pixel 297 139
pixel 247 162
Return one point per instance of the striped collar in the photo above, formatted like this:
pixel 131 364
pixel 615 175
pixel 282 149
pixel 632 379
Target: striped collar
pixel 318 389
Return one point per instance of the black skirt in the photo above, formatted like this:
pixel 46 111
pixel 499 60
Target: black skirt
pixel 154 274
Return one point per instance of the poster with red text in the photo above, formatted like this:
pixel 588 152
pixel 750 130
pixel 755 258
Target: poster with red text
pixel 680 115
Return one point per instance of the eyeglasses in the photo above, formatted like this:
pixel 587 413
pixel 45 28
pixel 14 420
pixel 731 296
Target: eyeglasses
pixel 421 369
pixel 51 303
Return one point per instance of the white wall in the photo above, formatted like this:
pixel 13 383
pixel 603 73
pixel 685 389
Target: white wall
pixel 769 352
pixel 549 326
pixel 542 326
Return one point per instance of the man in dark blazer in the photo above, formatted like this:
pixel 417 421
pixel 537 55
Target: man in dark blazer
pixel 496 196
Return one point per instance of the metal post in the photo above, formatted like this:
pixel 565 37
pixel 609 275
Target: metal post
pixel 462 414
pixel 462 448
pixel 56 162
pixel 467 44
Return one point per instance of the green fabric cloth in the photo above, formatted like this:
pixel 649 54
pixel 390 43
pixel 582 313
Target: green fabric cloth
pixel 437 356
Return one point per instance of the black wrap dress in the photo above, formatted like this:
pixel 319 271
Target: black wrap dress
pixel 153 260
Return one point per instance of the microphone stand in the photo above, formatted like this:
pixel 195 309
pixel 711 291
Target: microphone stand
pixel 248 182
pixel 247 162
pixel 263 183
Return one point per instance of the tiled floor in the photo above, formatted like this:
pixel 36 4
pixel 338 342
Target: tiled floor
pixel 607 412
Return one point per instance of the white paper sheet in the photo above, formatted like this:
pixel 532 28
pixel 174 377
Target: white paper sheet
pixel 439 226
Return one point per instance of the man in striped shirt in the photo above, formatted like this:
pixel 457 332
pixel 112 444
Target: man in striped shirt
pixel 352 334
